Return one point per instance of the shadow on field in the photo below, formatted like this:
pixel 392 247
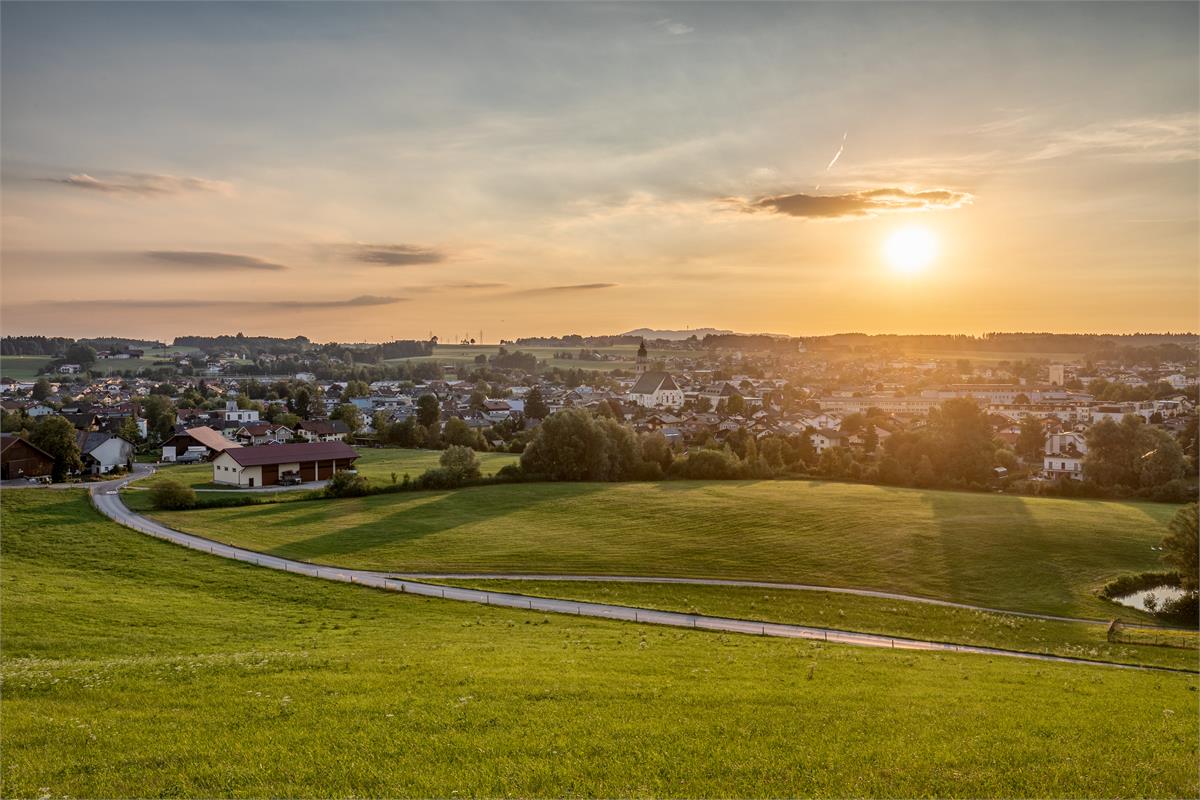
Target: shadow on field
pixel 416 518
pixel 1001 557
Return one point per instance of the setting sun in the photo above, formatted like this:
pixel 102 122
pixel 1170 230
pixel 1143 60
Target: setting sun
pixel 910 250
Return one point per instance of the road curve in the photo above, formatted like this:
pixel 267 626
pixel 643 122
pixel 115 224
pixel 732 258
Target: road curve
pixel 799 587
pixel 106 499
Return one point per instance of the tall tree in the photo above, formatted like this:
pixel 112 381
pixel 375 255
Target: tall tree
pixel 56 435
pixel 41 389
pixel 1031 442
pixel 1182 547
pixel 428 410
pixel 535 404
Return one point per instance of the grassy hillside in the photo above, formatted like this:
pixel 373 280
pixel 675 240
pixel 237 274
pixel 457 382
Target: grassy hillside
pixel 135 668
pixel 874 615
pixel 1018 553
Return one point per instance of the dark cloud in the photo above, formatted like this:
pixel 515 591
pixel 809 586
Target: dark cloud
pixel 394 255
pixel 188 303
pixel 141 184
pixel 201 259
pixel 856 204
pixel 576 287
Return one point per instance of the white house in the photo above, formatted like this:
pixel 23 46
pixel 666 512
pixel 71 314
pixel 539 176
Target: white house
pixel 322 430
pixel 69 369
pixel 1064 454
pixel 235 414
pixel 104 452
pixel 656 389
pixel 823 440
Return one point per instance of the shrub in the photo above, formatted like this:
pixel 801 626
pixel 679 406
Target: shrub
pixel 461 461
pixel 347 484
pixel 439 478
pixel 170 495
pixel 1128 584
pixel 707 465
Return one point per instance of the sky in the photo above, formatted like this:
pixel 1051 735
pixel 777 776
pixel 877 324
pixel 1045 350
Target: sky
pixel 368 172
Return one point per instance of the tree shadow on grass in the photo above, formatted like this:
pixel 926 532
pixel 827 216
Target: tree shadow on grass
pixel 413 521
pixel 998 555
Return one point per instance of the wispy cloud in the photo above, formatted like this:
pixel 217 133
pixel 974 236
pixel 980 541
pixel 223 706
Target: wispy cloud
pixel 202 260
pixel 1158 139
pixel 391 255
pixel 140 184
pixel 116 305
pixel 674 27
pixel 576 287
pixel 856 204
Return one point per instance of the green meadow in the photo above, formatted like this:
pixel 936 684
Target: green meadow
pixel 877 615
pixel 132 667
pixel 1015 553
pixel 22 367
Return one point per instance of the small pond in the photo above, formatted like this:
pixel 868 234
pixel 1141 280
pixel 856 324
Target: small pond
pixel 1161 594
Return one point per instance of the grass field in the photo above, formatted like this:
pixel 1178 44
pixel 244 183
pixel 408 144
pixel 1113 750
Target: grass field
pixel 376 464
pixel 1017 553
pixel 22 367
pixel 875 615
pixel 135 668
pixel 465 354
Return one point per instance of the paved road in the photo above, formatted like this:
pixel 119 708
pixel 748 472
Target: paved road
pixel 800 587
pixel 140 470
pixel 107 499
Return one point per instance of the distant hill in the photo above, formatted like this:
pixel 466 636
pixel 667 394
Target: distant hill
pixel 699 333
pixel 675 336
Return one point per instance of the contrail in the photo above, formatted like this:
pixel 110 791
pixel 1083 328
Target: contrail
pixel 838 154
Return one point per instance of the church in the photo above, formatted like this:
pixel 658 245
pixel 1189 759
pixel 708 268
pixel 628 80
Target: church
pixel 654 389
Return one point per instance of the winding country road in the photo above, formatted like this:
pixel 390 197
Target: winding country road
pixel 107 500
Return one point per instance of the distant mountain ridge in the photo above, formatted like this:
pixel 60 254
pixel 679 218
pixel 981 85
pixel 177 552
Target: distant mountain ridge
pixel 699 333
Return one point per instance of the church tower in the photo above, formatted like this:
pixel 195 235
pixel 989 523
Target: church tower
pixel 643 360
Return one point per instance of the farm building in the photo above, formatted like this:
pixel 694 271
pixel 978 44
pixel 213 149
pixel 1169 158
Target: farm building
pixel 201 442
pixel 20 459
pixel 263 466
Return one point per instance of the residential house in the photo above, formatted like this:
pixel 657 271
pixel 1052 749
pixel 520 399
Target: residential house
pixel 201 443
pixel 322 430
pixel 104 452
pixel 259 433
pixel 1063 455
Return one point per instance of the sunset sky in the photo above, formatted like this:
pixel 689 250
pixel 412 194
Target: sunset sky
pixel 372 172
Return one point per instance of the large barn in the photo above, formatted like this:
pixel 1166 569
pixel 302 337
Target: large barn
pixel 20 459
pixel 263 466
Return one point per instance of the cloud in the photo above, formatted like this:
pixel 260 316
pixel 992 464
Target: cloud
pixel 1159 139
pixel 201 259
pixel 141 184
pixel 188 303
pixel 576 287
pixel 856 204
pixel 393 255
pixel 674 28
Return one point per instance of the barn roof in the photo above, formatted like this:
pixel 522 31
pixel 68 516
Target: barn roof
pixel 290 453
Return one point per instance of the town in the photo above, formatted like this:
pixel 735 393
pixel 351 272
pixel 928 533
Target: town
pixel 852 409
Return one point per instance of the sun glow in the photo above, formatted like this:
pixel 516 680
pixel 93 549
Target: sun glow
pixel 910 250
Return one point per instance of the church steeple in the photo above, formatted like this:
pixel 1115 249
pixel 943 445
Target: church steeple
pixel 643 360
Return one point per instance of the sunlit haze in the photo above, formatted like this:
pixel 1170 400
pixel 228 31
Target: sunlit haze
pixel 368 172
